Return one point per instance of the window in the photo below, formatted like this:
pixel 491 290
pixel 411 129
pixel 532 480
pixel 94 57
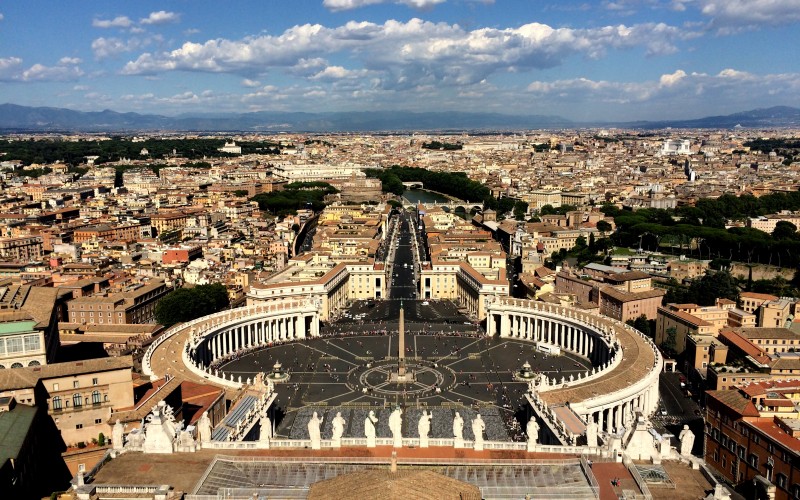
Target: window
pixel 95 397
pixel 752 459
pixel 56 402
pixel 98 421
pixel 94 381
pixel 75 384
pixel 55 387
pixel 79 426
pixel 77 400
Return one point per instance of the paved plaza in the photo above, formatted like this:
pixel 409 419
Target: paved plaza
pixel 352 374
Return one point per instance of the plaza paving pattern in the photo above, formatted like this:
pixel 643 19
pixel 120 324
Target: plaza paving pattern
pixel 477 375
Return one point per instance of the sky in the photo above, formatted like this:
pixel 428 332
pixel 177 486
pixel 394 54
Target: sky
pixel 610 60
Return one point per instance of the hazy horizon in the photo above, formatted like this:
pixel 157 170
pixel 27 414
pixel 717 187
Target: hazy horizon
pixel 598 61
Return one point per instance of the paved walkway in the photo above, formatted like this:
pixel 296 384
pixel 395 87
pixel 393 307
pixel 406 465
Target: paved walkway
pixel 605 472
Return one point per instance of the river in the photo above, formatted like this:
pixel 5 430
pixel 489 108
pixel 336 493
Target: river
pixel 422 196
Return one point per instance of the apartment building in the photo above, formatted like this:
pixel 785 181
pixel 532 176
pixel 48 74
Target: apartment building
pixel 134 305
pixel 23 249
pixel 752 438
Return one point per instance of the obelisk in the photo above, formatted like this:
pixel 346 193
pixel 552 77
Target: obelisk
pixel 401 358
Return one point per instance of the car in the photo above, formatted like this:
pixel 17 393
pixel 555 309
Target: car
pixel 425 303
pixel 663 411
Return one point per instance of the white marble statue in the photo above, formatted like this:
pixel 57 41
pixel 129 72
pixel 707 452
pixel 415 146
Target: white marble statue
pixel 591 433
pixel 117 439
pixel 265 428
pixel 204 428
pixel 369 428
pixel 458 431
pixel 458 426
pixel 396 426
pixel 424 428
pixel 338 429
pixel 478 426
pixel 532 430
pixel 686 437
pixel 159 432
pixel 314 432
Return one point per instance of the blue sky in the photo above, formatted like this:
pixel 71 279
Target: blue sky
pixel 583 60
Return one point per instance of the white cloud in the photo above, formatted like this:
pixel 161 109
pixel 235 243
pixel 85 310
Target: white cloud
pixel 332 73
pixel 672 79
pixel 340 5
pixel 40 72
pixel 678 94
pixel 1 16
pixel 250 83
pixel 730 16
pixel 160 17
pixel 110 47
pixel 117 22
pixel 67 69
pixel 410 53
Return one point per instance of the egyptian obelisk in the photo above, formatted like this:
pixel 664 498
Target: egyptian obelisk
pixel 401 358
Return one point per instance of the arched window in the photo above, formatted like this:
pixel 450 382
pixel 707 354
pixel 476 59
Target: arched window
pixel 16 365
pixel 56 403
pixel 95 397
pixel 2 367
pixel 77 400
pixel 34 363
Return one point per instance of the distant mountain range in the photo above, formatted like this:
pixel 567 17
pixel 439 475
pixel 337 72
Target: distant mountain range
pixel 45 119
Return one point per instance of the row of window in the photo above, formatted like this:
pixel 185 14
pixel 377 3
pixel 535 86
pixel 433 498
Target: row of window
pixel 78 400
pixel 20 344
pixel 19 365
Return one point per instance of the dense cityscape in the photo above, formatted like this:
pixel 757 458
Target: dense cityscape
pixel 400 249
pixel 280 265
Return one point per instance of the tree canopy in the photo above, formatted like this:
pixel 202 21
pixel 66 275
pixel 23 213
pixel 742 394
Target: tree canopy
pixel 186 304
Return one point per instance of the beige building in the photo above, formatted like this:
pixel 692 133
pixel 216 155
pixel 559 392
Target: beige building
pixel 136 305
pixel 23 249
pixel 79 395
pixel 625 305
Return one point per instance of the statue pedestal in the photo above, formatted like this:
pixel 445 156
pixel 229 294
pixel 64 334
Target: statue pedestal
pixel 371 442
pixel 458 442
pixel 423 441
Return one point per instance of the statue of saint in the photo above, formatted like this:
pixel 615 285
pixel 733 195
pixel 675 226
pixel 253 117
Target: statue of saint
pixel 265 425
pixel 532 430
pixel 458 427
pixel 686 437
pixel 478 426
pixel 424 428
pixel 314 432
pixel 369 428
pixel 591 433
pixel 338 427
pixel 204 428
pixel 117 433
pixel 396 426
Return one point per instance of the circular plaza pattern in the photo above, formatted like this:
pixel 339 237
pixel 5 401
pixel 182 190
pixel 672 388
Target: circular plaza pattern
pixel 587 368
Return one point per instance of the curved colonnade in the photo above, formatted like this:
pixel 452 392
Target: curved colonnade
pixel 624 379
pixel 627 363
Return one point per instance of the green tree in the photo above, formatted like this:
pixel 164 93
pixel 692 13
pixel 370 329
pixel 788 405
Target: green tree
pixel 186 304
pixel 670 343
pixel 784 230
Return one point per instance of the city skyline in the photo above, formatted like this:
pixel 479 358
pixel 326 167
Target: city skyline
pixel 610 60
